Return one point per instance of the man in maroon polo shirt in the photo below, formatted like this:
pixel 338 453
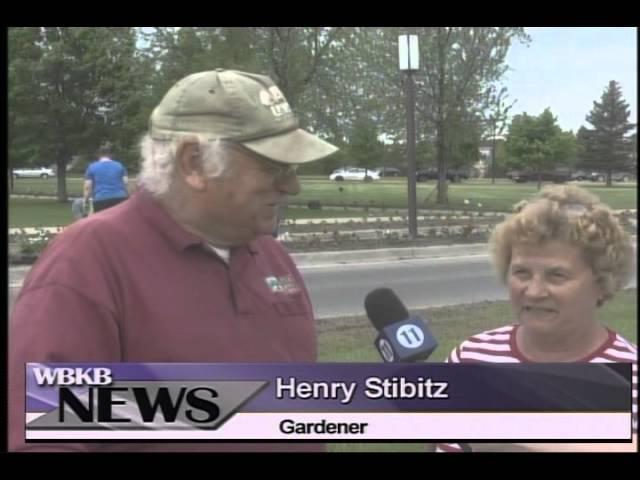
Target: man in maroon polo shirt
pixel 187 270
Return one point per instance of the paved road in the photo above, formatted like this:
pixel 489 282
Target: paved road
pixel 420 282
pixel 340 289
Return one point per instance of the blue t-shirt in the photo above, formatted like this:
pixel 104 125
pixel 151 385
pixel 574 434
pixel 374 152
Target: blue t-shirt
pixel 107 177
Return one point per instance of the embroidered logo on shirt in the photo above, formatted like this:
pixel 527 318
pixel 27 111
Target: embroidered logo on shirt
pixel 285 284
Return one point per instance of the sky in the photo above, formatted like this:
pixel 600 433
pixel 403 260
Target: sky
pixel 568 68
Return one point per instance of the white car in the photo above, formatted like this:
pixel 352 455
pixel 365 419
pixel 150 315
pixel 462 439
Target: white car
pixel 354 174
pixel 41 172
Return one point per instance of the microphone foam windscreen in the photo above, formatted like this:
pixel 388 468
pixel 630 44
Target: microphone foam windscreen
pixel 383 308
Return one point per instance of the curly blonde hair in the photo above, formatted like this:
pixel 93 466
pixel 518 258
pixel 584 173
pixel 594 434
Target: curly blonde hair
pixel 572 214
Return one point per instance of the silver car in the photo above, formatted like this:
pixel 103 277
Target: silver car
pixel 354 174
pixel 40 172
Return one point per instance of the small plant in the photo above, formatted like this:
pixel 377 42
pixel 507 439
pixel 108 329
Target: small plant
pixel 467 230
pixel 32 245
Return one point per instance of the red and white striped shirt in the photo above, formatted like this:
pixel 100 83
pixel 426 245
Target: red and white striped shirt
pixel 499 346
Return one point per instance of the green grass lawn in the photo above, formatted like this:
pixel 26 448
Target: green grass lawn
pixel 30 212
pixel 351 340
pixel 390 193
pixel 49 186
pixel 393 193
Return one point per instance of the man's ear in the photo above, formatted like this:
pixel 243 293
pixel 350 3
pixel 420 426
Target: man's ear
pixel 189 164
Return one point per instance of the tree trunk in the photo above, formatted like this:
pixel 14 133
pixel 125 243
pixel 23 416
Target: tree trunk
pixel 61 176
pixel 493 155
pixel 442 198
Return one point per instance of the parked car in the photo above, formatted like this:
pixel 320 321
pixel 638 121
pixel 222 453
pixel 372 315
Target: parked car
pixel 388 171
pixel 40 172
pixel 354 174
pixel 559 175
pixel 581 175
pixel 621 176
pixel 616 176
pixel 453 175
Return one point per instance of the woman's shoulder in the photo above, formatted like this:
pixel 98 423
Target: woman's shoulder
pixel 491 346
pixel 621 348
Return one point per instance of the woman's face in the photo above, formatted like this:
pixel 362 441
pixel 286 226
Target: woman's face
pixel 552 289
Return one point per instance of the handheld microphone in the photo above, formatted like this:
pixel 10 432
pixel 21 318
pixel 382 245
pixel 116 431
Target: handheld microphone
pixel 402 337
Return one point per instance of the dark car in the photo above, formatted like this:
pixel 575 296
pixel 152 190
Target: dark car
pixel 555 176
pixel 389 172
pixel 581 175
pixel 453 176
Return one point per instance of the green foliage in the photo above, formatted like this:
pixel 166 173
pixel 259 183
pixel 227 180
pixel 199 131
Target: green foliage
pixel 365 150
pixel 72 88
pixel 459 64
pixel 606 146
pixel 538 144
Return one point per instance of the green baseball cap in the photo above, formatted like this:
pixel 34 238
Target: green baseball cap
pixel 239 107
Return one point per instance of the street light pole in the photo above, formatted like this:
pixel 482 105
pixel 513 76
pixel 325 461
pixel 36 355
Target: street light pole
pixel 411 156
pixel 409 62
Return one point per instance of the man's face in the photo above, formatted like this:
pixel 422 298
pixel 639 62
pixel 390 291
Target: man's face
pixel 243 203
pixel 552 289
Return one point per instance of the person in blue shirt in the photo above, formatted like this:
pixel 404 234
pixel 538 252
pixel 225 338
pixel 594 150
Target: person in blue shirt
pixel 105 181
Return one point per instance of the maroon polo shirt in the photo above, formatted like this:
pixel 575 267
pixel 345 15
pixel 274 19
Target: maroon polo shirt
pixel 131 285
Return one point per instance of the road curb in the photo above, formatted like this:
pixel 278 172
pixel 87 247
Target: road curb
pixel 387 254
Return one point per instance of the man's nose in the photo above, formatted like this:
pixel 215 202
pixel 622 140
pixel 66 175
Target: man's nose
pixel 289 184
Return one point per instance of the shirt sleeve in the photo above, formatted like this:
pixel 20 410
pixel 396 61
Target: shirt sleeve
pixel 54 323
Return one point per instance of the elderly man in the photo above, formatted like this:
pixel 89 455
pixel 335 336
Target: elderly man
pixel 187 269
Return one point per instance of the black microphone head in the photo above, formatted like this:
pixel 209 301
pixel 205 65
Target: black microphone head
pixel 383 308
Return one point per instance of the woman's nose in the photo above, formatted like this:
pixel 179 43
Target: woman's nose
pixel 536 287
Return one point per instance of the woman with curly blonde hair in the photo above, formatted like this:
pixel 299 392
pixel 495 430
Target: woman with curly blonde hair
pixel 562 255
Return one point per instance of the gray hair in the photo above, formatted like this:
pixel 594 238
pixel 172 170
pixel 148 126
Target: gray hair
pixel 157 171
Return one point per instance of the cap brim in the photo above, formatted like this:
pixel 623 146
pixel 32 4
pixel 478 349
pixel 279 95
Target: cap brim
pixel 297 146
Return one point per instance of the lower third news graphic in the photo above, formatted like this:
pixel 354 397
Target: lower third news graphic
pixel 331 401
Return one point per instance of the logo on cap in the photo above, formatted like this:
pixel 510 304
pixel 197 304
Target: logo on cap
pixel 274 99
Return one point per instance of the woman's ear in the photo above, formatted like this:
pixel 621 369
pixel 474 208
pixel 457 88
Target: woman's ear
pixel 189 165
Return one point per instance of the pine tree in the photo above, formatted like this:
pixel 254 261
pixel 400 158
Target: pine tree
pixel 607 147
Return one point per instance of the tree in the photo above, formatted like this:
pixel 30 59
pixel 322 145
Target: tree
pixel 23 137
pixel 538 144
pixel 606 145
pixel 365 149
pixel 72 88
pixel 633 141
pixel 458 63
pixel 495 118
